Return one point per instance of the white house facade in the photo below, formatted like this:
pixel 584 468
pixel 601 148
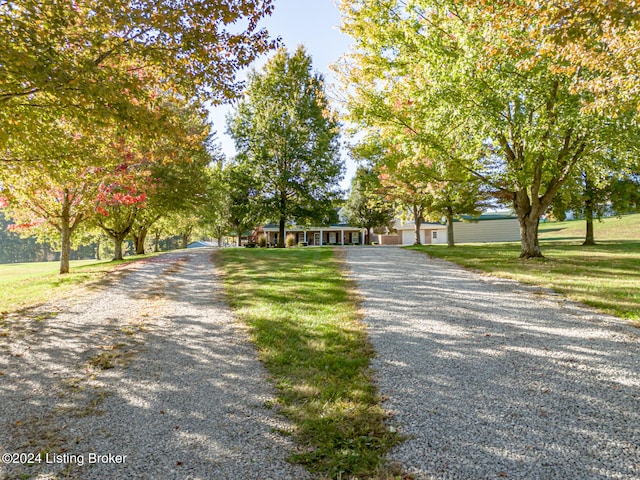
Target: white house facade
pixel 338 234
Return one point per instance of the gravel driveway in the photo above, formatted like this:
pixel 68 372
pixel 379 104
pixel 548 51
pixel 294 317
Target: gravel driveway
pixel 491 379
pixel 147 377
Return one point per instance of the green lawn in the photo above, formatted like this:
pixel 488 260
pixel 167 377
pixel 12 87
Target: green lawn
pixel 305 323
pixel 26 284
pixel 613 228
pixel 605 276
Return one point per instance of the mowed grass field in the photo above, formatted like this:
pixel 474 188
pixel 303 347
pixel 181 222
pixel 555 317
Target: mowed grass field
pixel 605 276
pixel 625 228
pixel 26 284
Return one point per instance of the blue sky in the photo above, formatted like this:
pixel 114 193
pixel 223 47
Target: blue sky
pixel 312 23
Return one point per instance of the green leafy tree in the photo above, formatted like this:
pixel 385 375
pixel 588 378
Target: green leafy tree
pixel 285 130
pixel 179 171
pixel 94 60
pixel 455 59
pixel 53 203
pixel 595 194
pixel 590 35
pixel 367 206
pixel 213 214
pixel 244 206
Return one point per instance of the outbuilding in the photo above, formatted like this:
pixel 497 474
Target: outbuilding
pixel 488 227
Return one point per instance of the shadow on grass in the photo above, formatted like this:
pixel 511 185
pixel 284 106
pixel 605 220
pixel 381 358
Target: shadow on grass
pixel 604 276
pixel 305 328
pixel 186 412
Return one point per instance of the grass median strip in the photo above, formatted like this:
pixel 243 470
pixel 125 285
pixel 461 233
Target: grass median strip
pixel 605 276
pixel 304 321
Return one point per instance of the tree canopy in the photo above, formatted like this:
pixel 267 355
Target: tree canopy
pixel 92 60
pixel 285 130
pixel 471 83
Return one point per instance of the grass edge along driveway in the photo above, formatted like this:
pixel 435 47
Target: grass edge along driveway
pixel 25 285
pixel 304 320
pixel 605 276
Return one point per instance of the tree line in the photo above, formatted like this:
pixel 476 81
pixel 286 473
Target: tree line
pixel 133 156
pixel 528 104
pixel 102 112
pixel 459 105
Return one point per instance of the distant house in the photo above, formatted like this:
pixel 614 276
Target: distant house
pixel 488 227
pixel 336 234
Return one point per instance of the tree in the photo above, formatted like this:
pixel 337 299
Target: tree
pixel 51 203
pixel 366 206
pixel 285 130
pixel 178 171
pixel 213 214
pixel 16 249
pixel 590 35
pixel 120 196
pixel 244 208
pixel 94 61
pixel 456 60
pixel 594 194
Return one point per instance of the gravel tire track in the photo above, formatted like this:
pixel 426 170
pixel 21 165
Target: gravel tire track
pixel 186 397
pixel 489 378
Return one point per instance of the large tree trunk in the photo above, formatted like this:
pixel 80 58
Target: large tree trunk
pixel 530 247
pixel 529 217
pixel 98 242
pixel 239 232
pixel 65 234
pixel 367 237
pixel 138 240
pixel 417 219
pixel 185 239
pixel 117 246
pixel 450 239
pixel 589 238
pixel 156 242
pixel 281 239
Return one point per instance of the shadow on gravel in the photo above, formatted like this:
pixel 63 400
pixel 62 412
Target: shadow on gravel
pixel 187 400
pixel 494 380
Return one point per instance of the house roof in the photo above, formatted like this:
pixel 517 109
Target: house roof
pixel 488 216
pixel 464 218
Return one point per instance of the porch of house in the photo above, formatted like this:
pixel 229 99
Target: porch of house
pixel 319 236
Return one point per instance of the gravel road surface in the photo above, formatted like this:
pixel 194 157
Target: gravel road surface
pixel 146 377
pixel 491 379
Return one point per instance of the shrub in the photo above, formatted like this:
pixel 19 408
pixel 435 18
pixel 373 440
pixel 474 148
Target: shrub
pixel 262 242
pixel 291 241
